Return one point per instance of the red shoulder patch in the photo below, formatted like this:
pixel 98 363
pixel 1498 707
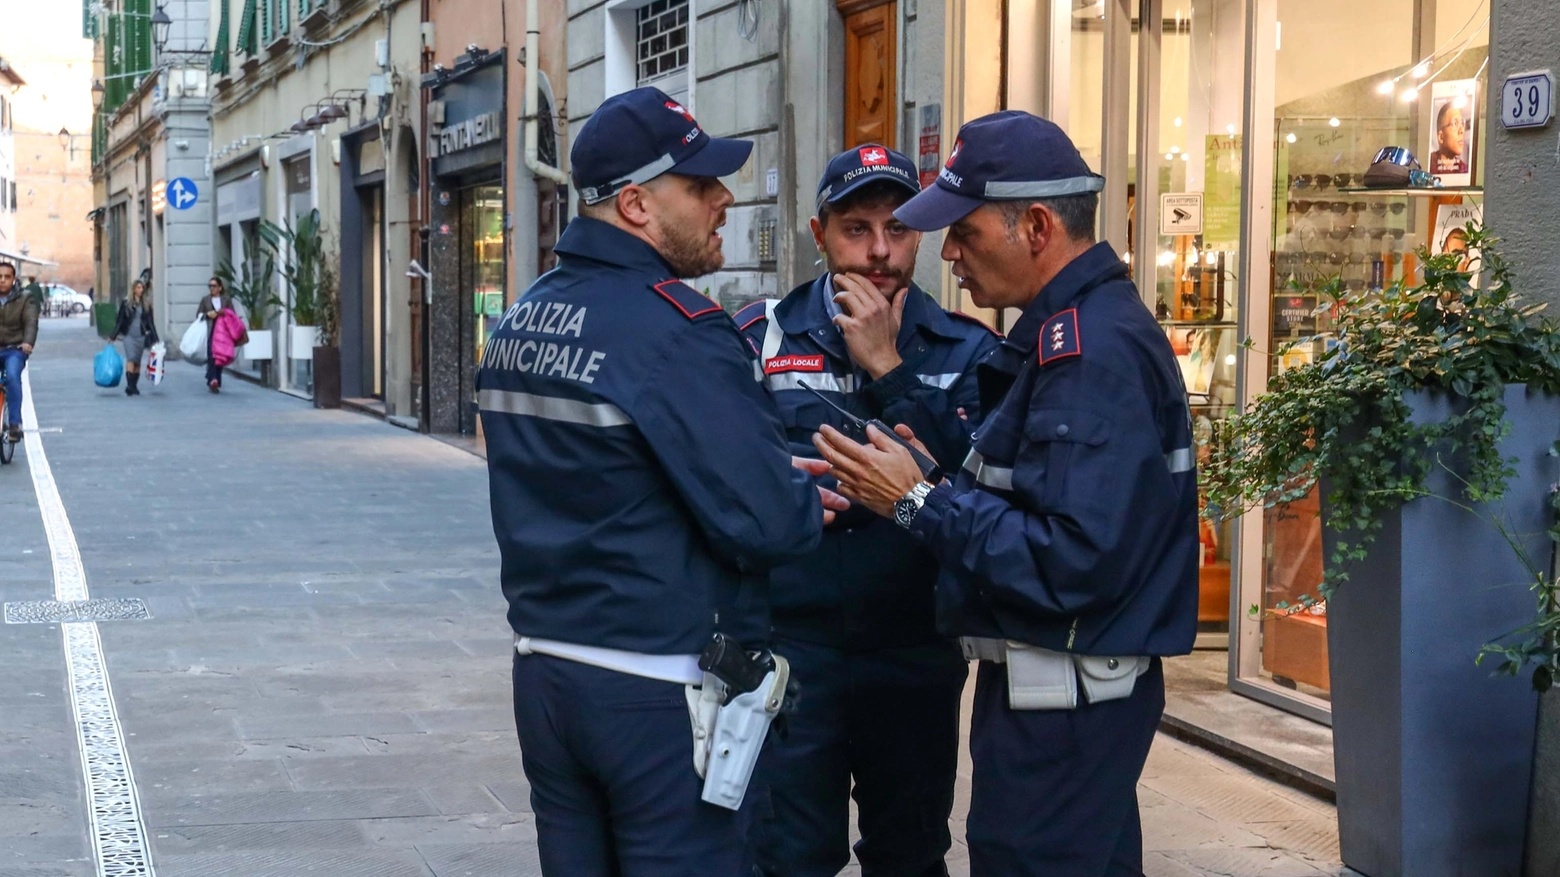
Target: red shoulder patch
pixel 960 315
pixel 749 315
pixel 685 298
pixel 1059 337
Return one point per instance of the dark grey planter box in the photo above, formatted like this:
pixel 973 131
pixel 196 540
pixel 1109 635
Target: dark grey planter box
pixel 1434 756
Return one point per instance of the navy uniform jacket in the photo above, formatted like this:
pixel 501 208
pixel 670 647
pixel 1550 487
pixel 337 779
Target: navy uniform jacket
pixel 1073 524
pixel 869 584
pixel 641 485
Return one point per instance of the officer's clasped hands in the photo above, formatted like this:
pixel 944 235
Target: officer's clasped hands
pixel 875 475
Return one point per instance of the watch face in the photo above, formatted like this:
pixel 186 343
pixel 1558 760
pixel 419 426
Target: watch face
pixel 904 511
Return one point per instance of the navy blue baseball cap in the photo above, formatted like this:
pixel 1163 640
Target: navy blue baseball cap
pixel 1007 156
pixel 854 168
pixel 636 136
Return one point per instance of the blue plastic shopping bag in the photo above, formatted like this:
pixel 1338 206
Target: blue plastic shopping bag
pixel 108 367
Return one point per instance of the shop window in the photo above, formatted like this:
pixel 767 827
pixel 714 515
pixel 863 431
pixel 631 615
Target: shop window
pixel 1350 79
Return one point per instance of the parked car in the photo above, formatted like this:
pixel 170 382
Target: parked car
pixel 66 301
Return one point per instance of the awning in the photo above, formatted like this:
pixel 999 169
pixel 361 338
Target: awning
pixel 18 257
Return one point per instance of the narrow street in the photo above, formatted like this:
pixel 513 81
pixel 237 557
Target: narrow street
pixel 323 685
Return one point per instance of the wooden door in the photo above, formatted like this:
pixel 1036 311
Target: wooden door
pixel 871 71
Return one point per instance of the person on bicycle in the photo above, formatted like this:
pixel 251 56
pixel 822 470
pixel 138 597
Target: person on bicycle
pixel 18 333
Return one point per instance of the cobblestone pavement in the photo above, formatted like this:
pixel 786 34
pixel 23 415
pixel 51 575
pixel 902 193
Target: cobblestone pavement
pixel 323 684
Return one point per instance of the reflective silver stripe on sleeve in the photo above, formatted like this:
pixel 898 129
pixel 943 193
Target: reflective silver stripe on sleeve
pixel 553 408
pixel 940 381
pixel 1180 460
pixel 817 380
pixel 1044 188
pixel 996 477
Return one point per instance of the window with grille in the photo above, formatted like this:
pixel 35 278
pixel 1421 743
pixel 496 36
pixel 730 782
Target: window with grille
pixel 662 42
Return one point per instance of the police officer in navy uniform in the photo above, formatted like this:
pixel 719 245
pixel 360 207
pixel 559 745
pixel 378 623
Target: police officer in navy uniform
pixel 1067 543
pixel 880 687
pixel 641 492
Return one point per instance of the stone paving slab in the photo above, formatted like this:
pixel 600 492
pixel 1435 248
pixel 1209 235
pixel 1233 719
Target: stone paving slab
pixel 323 687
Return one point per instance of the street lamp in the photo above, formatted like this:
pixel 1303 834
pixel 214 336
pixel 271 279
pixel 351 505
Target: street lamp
pixel 160 26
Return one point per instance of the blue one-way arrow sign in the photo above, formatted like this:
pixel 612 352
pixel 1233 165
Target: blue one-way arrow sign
pixel 182 193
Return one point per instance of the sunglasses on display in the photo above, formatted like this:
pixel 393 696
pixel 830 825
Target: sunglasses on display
pixel 1380 208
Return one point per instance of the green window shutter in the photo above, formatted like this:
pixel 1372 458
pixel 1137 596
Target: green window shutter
pixel 281 18
pixel 220 52
pixel 89 22
pixel 114 65
pixel 246 28
pixel 265 22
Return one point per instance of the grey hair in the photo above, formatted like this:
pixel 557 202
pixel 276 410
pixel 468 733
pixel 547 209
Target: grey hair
pixel 1076 213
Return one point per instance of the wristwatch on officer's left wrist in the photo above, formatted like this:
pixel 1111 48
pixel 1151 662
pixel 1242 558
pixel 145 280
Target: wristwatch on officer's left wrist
pixel 909 505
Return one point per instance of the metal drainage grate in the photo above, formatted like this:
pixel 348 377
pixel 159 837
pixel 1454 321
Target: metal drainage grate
pixel 56 611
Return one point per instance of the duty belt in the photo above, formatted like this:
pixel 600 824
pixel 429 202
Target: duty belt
pixel 1040 679
pixel 681 669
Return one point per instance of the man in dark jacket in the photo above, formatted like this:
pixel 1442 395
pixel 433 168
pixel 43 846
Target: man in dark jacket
pixel 642 490
pixel 18 334
pixel 1067 542
pixel 880 688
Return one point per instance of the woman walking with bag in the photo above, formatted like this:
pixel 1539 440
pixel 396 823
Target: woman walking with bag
pixel 213 307
pixel 134 327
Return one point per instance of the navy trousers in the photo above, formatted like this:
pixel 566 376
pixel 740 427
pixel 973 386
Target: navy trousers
pixel 610 761
pixel 889 720
pixel 1054 792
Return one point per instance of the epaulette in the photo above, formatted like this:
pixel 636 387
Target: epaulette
pixel 1059 337
pixel 686 299
pixel 959 315
pixel 749 315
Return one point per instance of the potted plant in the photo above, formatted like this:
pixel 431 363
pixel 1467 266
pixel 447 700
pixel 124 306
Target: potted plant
pixel 301 250
pixel 327 355
pixel 254 290
pixel 1429 428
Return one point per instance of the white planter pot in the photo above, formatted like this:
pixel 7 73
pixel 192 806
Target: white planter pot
pixel 301 341
pixel 261 346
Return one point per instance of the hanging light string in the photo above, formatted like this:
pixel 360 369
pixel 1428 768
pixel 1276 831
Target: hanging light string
pixel 1390 85
pixel 1412 92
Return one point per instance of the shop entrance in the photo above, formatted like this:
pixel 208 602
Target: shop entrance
pixel 482 274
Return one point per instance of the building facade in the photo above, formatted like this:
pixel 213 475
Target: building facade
pixel 315 107
pixel 495 207
pixel 10 82
pixel 151 139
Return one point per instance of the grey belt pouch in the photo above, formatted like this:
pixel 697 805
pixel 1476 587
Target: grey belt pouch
pixel 1109 678
pixel 1040 679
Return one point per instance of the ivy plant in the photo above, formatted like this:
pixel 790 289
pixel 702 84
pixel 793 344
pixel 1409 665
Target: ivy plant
pixel 1342 417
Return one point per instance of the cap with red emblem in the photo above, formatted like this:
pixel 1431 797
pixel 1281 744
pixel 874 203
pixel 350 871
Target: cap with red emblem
pixel 636 136
pixel 860 165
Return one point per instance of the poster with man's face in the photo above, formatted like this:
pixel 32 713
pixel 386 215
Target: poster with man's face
pixel 1451 131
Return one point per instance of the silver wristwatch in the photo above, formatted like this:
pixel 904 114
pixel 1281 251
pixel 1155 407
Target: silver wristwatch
pixel 909 505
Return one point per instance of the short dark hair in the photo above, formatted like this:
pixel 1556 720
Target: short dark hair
pixel 1075 212
pixel 873 194
pixel 9 265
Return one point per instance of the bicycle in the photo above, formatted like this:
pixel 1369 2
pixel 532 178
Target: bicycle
pixel 7 447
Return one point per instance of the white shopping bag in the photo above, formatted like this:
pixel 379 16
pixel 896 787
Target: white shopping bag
pixel 154 362
pixel 193 344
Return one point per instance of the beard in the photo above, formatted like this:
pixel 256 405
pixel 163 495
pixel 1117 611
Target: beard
pixel 690 251
pixel 900 275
